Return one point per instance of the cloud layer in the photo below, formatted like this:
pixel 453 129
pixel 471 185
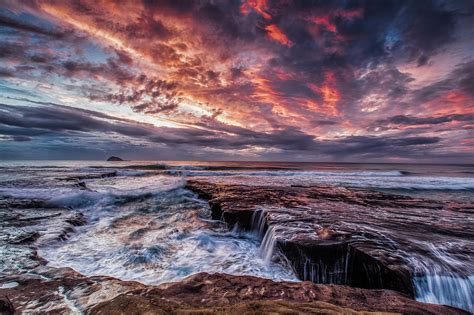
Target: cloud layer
pixel 257 79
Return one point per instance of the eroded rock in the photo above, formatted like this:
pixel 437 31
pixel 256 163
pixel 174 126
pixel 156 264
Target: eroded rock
pixel 6 307
pixel 348 236
pixel 221 293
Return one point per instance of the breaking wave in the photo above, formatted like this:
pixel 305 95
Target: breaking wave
pixel 284 173
pixel 393 180
pixel 163 238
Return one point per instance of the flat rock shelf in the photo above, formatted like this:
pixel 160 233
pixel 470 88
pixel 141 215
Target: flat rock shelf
pixel 356 237
pixel 67 292
pixel 360 252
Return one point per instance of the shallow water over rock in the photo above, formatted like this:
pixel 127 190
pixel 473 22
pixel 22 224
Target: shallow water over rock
pixel 159 238
pixel 142 224
pixel 365 239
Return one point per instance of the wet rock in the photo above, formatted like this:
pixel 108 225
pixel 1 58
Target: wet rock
pixel 7 202
pixel 27 224
pixel 65 291
pixel 37 223
pixel 81 177
pixel 348 236
pixel 6 307
pixel 131 304
pixel 77 219
pixel 24 238
pixel 214 293
pixel 308 224
pixel 82 186
pixel 62 291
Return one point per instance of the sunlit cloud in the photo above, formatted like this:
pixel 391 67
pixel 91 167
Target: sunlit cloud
pixel 257 79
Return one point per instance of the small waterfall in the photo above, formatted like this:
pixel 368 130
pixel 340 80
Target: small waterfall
pixel 258 222
pixel 268 245
pixel 334 273
pixel 447 289
pixel 433 283
pixel 258 225
pixel 440 283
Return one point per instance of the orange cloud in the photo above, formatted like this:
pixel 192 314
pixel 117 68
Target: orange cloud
pixel 452 102
pixel 329 93
pixel 259 6
pixel 276 34
pixel 327 22
pixel 350 14
pixel 324 21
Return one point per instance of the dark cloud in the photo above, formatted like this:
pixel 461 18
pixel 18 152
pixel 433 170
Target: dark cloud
pixel 460 79
pixel 11 23
pixel 271 79
pixel 364 147
pixel 426 26
pixel 146 27
pixel 145 95
pixel 10 49
pixel 21 138
pixel 412 120
pixel 24 123
pixel 6 73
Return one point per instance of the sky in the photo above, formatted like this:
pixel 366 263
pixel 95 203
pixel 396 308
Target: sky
pixel 260 80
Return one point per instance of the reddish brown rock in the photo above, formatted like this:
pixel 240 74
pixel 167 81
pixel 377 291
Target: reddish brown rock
pixel 221 293
pixel 62 291
pixel 309 226
pixel 6 307
pixel 348 236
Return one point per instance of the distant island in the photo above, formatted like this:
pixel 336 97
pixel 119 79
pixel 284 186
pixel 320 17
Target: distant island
pixel 114 159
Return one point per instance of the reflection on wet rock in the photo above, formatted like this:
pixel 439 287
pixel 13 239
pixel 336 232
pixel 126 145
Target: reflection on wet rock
pixel 366 239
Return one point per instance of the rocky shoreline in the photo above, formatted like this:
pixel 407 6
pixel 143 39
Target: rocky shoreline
pixel 63 291
pixel 354 237
pixel 350 270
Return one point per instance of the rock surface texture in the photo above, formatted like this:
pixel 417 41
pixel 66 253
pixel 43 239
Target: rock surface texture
pixel 240 294
pixel 356 237
pixel 327 235
pixel 66 292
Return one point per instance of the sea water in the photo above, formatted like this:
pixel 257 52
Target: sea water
pixel 142 224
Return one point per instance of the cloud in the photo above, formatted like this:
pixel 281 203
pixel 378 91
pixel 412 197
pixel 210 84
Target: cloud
pixel 29 124
pixel 412 120
pixel 312 79
pixel 21 138
pixel 21 26
pixel 276 34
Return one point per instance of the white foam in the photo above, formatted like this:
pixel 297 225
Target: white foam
pixel 267 248
pixel 100 191
pixel 285 173
pixel 135 185
pixel 161 240
pixel 444 281
pixel 9 285
pixel 446 289
pixel 360 179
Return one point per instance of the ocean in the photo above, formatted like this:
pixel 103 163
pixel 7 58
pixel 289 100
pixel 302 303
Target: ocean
pixel 142 223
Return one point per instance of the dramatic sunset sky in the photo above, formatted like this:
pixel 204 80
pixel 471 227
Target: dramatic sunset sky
pixel 387 81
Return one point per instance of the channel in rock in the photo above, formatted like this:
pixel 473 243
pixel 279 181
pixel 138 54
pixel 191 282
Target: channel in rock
pixel 357 237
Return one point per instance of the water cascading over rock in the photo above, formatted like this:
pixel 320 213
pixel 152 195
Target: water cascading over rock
pixel 354 237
